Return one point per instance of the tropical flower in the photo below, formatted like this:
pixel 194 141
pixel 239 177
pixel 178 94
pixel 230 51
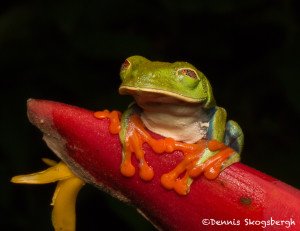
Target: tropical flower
pixel 90 153
pixel 64 198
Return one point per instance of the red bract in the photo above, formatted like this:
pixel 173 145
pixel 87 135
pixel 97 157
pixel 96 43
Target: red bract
pixel 239 196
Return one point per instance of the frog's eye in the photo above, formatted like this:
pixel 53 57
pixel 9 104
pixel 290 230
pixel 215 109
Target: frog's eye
pixel 188 72
pixel 125 65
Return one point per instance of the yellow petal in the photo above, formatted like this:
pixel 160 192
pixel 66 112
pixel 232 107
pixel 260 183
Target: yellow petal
pixel 49 162
pixel 58 172
pixel 64 200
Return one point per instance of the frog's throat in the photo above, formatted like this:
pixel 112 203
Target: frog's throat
pixel 185 129
pixel 129 90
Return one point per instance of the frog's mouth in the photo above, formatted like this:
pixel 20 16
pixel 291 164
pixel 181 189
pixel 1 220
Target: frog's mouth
pixel 156 95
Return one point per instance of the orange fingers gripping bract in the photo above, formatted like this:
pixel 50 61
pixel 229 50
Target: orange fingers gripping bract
pixel 114 116
pixel 136 135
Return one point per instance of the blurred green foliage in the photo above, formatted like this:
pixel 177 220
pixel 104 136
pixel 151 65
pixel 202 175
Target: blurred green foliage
pixel 71 51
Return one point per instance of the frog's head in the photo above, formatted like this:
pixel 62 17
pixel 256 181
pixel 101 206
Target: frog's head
pixel 179 80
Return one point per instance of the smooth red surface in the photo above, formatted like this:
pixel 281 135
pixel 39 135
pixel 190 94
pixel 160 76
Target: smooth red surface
pixel 239 192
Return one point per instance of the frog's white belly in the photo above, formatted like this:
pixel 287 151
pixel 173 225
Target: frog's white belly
pixel 181 122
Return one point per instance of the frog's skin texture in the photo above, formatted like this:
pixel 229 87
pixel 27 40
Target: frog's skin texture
pixel 175 100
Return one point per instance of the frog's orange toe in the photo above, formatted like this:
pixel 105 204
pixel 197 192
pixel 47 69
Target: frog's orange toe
pixel 168 181
pixel 212 173
pixel 101 114
pixel 214 145
pixel 158 146
pixel 196 171
pixel 114 116
pixel 181 186
pixel 127 169
pixel 146 173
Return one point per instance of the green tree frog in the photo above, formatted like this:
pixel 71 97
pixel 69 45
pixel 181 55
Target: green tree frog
pixel 174 100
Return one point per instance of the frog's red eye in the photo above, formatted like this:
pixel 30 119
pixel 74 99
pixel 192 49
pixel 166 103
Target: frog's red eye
pixel 189 73
pixel 125 65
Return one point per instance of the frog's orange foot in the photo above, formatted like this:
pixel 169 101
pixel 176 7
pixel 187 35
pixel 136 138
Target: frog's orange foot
pixel 172 179
pixel 136 135
pixel 212 167
pixel 190 167
pixel 114 116
pixel 127 169
pixel 146 173
pixel 133 145
pixel 180 185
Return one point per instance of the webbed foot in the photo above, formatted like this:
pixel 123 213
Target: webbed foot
pixel 210 159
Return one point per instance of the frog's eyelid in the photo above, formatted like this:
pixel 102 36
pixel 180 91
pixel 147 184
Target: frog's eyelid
pixel 188 72
pixel 125 66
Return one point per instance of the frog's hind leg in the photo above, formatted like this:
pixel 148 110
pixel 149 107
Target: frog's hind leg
pixel 234 138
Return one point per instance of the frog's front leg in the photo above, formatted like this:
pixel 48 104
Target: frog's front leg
pixel 221 154
pixel 132 137
pixel 234 138
pixel 223 147
pixel 216 131
pixel 130 131
pixel 133 134
pixel 228 133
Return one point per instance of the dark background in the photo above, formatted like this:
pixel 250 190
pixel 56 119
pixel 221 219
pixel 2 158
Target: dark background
pixel 71 51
